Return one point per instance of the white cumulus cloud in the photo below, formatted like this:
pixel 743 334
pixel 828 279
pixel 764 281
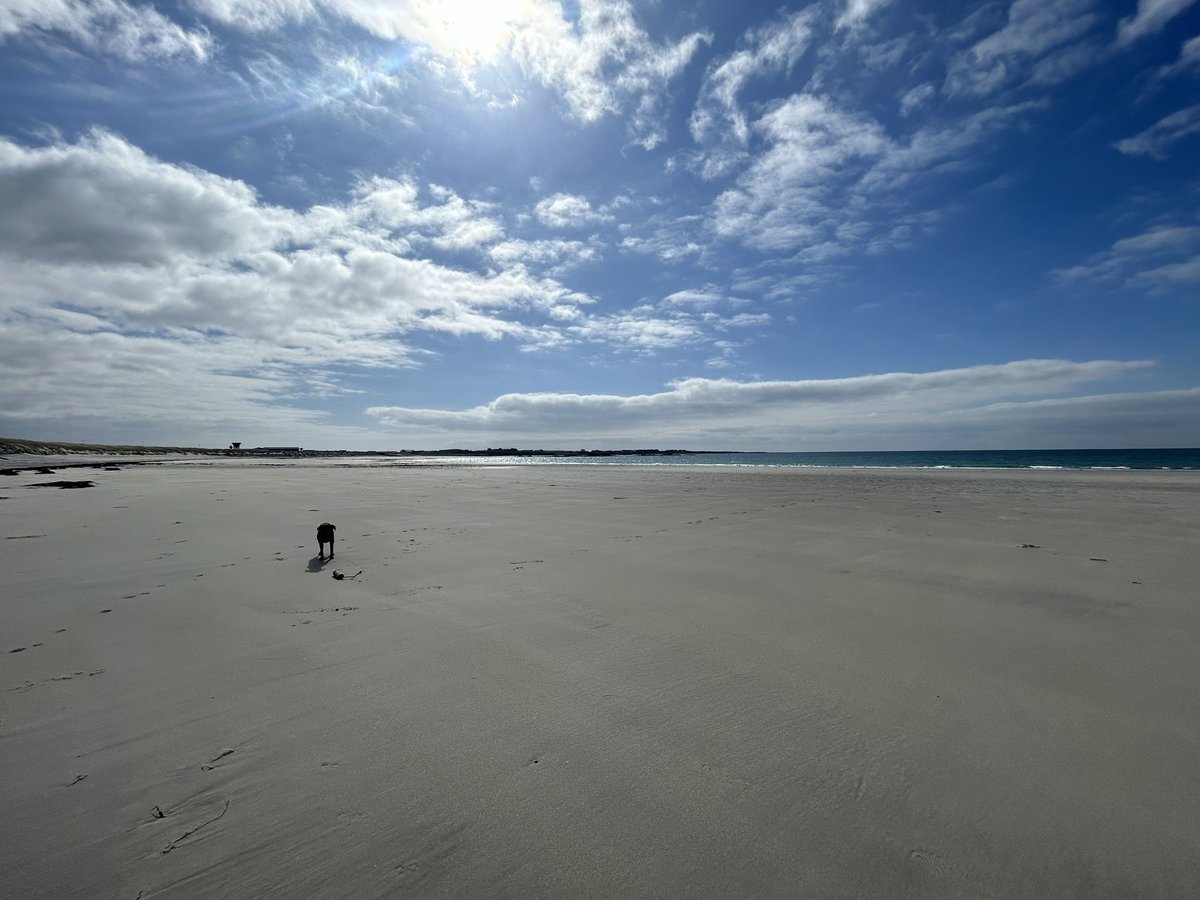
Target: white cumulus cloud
pixel 568 211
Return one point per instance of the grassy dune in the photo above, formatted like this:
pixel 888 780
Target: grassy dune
pixel 49 448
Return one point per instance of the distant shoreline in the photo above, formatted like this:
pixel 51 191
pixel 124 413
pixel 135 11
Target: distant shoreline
pixel 46 448
pixel 16 455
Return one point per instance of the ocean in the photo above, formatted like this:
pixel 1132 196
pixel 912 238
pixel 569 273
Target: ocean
pixel 1174 458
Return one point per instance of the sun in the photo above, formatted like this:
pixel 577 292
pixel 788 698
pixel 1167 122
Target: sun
pixel 474 31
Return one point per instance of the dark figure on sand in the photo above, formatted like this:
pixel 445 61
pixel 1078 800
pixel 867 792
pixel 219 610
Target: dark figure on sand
pixel 325 536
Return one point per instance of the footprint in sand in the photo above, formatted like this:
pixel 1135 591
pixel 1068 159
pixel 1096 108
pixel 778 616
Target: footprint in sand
pixel 212 763
pixel 928 860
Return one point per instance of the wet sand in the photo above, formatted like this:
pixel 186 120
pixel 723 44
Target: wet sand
pixel 599 681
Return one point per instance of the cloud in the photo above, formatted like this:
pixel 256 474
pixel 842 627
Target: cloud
pixel 601 62
pixel 1163 256
pixel 558 255
pixel 978 404
pixel 816 174
pixel 568 211
pixel 1150 18
pixel 784 198
pixel 449 223
pixel 914 98
pixel 1189 58
pixel 190 249
pixel 114 27
pixel 686 318
pixel 1034 30
pixel 640 330
pixel 671 238
pixel 251 305
pixel 856 12
pixel 256 15
pixel 707 297
pixel 831 181
pixel 103 200
pixel 718 122
pixel 131 255
pixel 1157 140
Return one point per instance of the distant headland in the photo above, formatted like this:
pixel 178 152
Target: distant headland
pixel 55 448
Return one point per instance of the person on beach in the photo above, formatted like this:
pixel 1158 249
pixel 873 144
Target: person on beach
pixel 325 536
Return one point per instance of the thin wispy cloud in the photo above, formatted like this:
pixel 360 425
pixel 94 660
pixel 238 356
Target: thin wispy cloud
pixel 1162 257
pixel 856 12
pixel 1151 17
pixel 1158 140
pixel 602 63
pixel 718 121
pixel 1033 32
pixel 127 31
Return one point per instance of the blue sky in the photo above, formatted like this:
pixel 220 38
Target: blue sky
pixel 847 224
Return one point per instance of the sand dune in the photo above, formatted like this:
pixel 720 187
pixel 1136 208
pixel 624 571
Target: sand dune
pixel 599 681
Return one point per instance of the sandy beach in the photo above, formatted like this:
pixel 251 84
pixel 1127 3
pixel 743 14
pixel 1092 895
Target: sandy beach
pixel 591 681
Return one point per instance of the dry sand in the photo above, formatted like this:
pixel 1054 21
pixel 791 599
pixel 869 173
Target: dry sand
pixel 571 681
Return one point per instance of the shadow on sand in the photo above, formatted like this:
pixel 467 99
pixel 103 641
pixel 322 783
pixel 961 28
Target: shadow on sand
pixel 316 564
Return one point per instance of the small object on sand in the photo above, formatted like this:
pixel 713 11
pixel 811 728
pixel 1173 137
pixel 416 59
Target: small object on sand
pixel 1030 547
pixel 1097 559
pixel 158 813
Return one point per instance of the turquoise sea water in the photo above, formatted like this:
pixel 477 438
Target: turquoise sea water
pixel 922 459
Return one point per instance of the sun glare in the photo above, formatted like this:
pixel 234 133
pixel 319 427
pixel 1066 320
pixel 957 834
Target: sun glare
pixel 474 29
